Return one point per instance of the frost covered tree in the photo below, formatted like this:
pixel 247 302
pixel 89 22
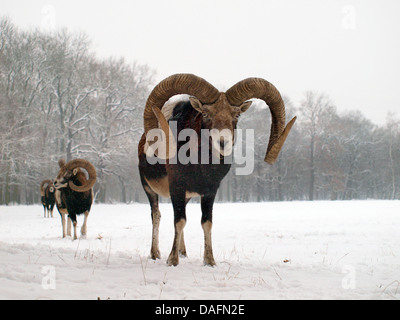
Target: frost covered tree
pixel 58 100
pixel 316 110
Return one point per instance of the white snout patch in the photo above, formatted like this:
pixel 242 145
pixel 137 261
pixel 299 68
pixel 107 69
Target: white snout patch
pixel 222 141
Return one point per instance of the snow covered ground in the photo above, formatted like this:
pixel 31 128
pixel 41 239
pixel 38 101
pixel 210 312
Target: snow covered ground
pixel 290 250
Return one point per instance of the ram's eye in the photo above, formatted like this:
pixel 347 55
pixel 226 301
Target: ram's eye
pixel 205 115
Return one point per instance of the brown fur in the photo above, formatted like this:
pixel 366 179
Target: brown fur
pixel 217 112
pixel 70 200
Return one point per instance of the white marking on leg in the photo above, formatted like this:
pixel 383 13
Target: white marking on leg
pixel 182 247
pixel 173 259
pixel 84 225
pixel 208 252
pixel 69 222
pixel 75 236
pixel 155 251
pixel 64 234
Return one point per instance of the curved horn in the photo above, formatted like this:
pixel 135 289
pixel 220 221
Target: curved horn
pixel 173 85
pixel 170 145
pixel 48 182
pixel 81 163
pixel 262 89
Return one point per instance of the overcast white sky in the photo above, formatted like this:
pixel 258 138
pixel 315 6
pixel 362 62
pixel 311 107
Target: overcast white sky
pixel 349 49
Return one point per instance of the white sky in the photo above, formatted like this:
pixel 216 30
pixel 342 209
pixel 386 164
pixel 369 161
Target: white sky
pixel 349 49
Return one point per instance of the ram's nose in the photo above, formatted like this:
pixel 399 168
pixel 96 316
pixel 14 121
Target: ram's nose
pixel 223 142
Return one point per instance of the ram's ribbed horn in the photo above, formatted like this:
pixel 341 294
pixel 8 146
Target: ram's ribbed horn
pixel 169 87
pixel 173 85
pixel 48 182
pixel 170 145
pixel 81 163
pixel 261 89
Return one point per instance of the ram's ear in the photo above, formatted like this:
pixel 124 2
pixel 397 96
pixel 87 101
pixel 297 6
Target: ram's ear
pixel 196 104
pixel 245 106
pixel 75 171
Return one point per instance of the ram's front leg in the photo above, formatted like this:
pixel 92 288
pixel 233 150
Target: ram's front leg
pixel 84 225
pixel 72 218
pixel 64 215
pixel 182 247
pixel 64 224
pixel 207 204
pixel 69 226
pixel 179 205
pixel 173 259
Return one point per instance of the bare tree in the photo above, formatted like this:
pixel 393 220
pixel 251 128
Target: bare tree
pixel 393 135
pixel 57 99
pixel 315 109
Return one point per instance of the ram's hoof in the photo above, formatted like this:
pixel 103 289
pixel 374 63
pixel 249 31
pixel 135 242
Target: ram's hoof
pixel 155 254
pixel 173 261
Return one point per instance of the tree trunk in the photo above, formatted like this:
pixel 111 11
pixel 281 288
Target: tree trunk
pixel 312 170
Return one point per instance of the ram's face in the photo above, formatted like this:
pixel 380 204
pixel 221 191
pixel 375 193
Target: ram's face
pixel 64 177
pixel 61 181
pixel 221 118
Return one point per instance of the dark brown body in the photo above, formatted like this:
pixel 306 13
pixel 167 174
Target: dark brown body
pixel 48 200
pixel 208 108
pixel 74 195
pixel 76 203
pixel 182 182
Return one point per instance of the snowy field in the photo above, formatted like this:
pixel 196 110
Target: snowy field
pixel 292 250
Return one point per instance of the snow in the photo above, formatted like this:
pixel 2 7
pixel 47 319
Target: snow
pixel 287 250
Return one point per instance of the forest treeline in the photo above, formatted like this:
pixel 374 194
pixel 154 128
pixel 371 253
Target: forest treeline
pixel 59 100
